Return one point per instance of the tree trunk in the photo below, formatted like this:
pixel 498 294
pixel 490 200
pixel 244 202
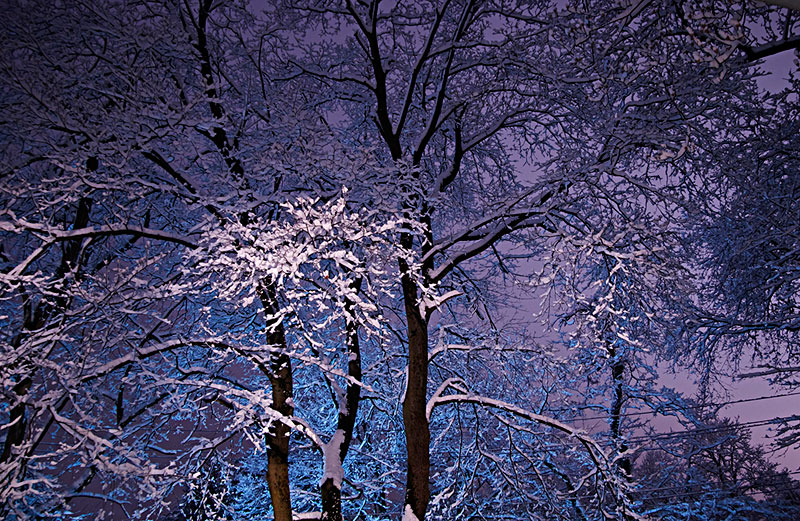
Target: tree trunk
pixel 16 433
pixel 415 421
pixel 278 439
pixel 331 501
pixel 331 491
pixel 617 372
pixel 280 377
pixel 624 463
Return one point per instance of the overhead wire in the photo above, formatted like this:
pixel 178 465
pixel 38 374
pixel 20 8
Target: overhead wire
pixel 674 408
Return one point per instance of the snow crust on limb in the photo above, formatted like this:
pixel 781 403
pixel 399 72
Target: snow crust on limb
pixel 332 468
pixel 408 514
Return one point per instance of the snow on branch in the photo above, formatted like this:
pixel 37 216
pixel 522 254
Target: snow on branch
pixel 603 462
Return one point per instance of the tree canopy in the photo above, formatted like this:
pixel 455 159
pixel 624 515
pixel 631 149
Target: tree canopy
pixel 415 259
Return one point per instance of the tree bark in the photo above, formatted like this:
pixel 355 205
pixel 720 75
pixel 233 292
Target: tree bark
pixel 331 501
pixel 415 420
pixel 16 433
pixel 280 377
pixel 330 491
pixel 617 372
pixel 278 439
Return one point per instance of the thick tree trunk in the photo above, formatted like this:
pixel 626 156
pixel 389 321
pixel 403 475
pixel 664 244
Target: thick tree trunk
pixel 280 377
pixel 617 376
pixel 278 439
pixel 415 421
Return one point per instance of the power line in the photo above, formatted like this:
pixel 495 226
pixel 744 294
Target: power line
pixel 793 487
pixel 775 481
pixel 688 407
pixel 714 429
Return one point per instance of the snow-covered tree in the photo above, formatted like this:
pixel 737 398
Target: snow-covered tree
pixel 607 107
pixel 128 360
pixel 279 234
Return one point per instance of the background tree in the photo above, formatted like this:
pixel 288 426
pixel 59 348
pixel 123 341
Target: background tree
pixel 715 471
pixel 747 236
